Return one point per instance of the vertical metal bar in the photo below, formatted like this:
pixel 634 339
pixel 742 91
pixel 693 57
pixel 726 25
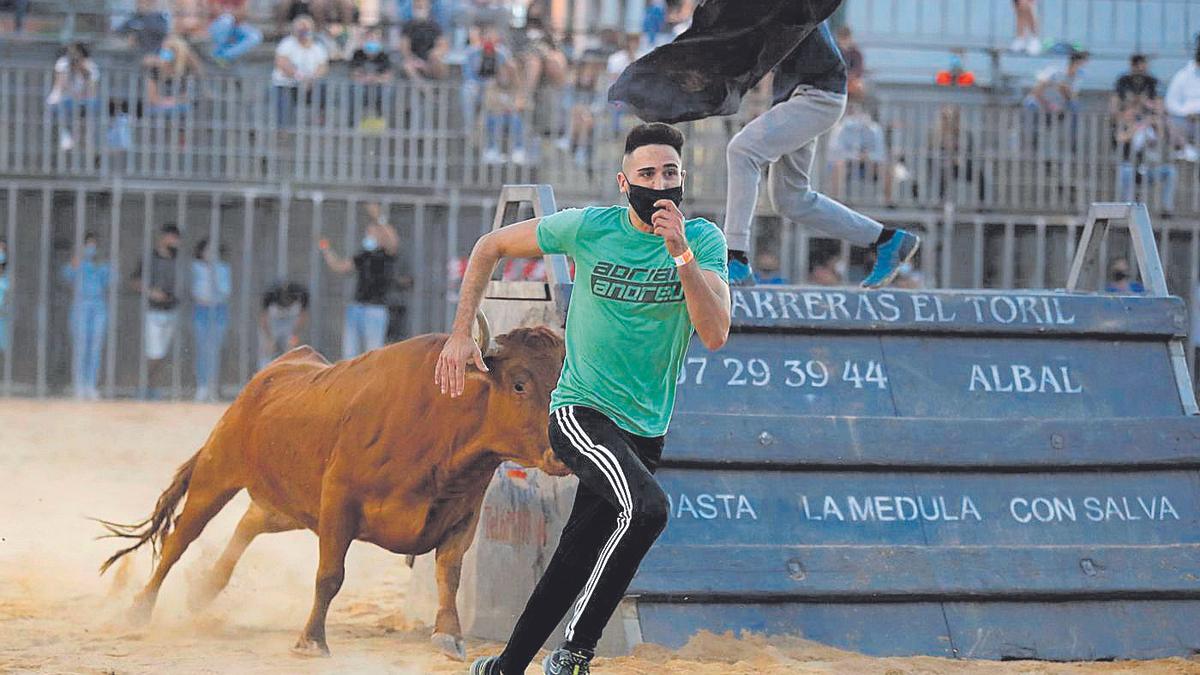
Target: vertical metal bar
pixel 147 225
pixel 1039 255
pixel 180 311
pixel 1009 263
pixel 281 252
pixel 316 308
pixel 14 285
pixel 114 261
pixel 451 253
pixel 802 256
pixel 977 255
pixel 244 320
pixel 421 272
pixel 214 248
pixel 1193 292
pixel 948 226
pixel 43 306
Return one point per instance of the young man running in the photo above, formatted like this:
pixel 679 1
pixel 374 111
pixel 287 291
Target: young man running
pixel 645 278
pixel 810 97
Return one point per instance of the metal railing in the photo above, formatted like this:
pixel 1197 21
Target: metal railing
pixel 272 234
pixel 1107 27
pixel 412 135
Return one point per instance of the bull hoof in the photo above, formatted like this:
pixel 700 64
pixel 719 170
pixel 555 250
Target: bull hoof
pixel 450 645
pixel 310 648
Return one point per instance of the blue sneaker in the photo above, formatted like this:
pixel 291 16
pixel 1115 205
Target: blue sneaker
pixel 740 273
pixel 889 256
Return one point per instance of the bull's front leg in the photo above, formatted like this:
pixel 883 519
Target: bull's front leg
pixel 447 633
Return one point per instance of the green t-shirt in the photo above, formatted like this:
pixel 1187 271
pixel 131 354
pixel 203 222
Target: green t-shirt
pixel 627 326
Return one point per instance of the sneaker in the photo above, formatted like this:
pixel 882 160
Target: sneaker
pixel 1033 46
pixel 1188 153
pixel 1019 44
pixel 889 256
pixel 492 156
pixel 563 143
pixel 740 273
pixel 486 665
pixel 563 661
pixel 518 157
pixel 65 141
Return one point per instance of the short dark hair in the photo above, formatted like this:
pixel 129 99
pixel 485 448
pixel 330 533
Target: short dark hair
pixel 90 235
pixel 1080 56
pixel 654 133
pixel 1137 58
pixel 169 228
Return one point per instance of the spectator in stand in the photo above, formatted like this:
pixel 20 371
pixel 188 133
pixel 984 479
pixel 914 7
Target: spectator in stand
pixel 1143 154
pixel 147 28
pixel 654 24
pixel 76 78
pixel 1027 39
pixel 828 268
pixel 170 77
pixel 423 45
pixel 89 279
pixel 542 64
pixel 4 300
pixel 212 284
pixel 188 18
pixel 1057 88
pixel 482 63
pixel 856 65
pixel 504 108
pixel 20 9
pixel 160 287
pixel 366 321
pixel 951 159
pixel 766 269
pixel 586 96
pixel 1120 282
pixel 1138 84
pixel 1182 104
pixel 338 29
pixel 371 70
pixel 618 61
pixel 679 16
pixel 283 317
pixel 300 65
pixel 231 36
pixel 859 153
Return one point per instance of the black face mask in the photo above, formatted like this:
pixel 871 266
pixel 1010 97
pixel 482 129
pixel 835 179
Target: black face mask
pixel 642 199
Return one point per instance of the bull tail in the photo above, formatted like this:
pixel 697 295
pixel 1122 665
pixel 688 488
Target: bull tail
pixel 155 528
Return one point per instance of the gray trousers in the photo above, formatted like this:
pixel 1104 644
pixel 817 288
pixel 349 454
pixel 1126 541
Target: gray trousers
pixel 785 137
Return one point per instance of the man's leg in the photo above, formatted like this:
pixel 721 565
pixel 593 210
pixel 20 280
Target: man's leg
pixel 375 322
pixel 599 553
pixel 351 331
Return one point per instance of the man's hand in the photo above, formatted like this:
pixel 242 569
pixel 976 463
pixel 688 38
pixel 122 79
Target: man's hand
pixel 157 295
pixel 668 224
pixel 451 371
pixel 293 341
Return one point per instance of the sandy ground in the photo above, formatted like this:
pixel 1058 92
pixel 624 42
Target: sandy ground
pixel 63 462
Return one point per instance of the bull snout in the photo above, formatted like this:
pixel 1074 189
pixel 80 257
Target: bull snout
pixel 552 466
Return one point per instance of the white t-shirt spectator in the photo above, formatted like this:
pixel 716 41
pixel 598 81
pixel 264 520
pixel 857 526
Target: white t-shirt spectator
pixel 620 60
pixel 80 82
pixel 1183 94
pixel 307 60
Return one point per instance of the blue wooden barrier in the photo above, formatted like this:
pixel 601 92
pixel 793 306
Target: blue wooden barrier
pixel 962 473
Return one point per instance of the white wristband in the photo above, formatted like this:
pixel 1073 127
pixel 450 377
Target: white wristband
pixel 685 258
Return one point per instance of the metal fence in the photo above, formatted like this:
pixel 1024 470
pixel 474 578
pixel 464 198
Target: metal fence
pixel 1107 27
pixel 272 235
pixel 413 135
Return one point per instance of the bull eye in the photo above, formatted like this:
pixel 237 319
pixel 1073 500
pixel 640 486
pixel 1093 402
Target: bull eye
pixel 519 387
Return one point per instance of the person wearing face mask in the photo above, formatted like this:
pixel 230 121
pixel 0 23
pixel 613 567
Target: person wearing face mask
pixel 371 70
pixel 301 62
pixel 423 45
pixel 160 288
pixel 89 278
pixel 829 268
pixel 366 320
pixel 646 277
pixel 1120 281
pixel 212 284
pixel 169 76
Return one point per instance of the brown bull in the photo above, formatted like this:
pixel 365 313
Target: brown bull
pixel 363 449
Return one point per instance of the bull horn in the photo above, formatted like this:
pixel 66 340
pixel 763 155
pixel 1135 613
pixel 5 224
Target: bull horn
pixel 485 331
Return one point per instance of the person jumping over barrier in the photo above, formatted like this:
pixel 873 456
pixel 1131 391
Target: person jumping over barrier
pixel 646 277
pixel 810 97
